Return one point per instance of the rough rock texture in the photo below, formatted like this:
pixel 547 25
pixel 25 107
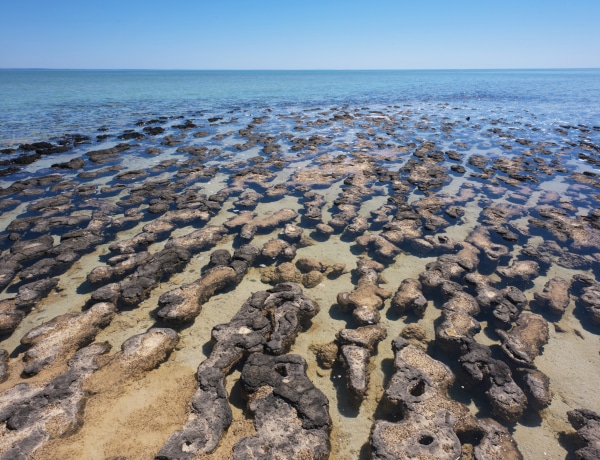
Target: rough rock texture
pixel 480 370
pixel 555 297
pixel 493 253
pixel 277 248
pixel 31 293
pixel 431 422
pixel 138 354
pixel 587 424
pixel 409 296
pixel 291 415
pixel 367 299
pixel 536 386
pixel 63 335
pixel 267 322
pixel 3 365
pixel 496 442
pixel 326 353
pixel 10 316
pixel 130 292
pixel 198 239
pixel 590 298
pixel 521 271
pixel 357 346
pixel 34 414
pixel 417 437
pixel 185 303
pixel 248 224
pixel 525 340
pixel 118 267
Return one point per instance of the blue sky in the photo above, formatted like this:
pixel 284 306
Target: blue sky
pixel 308 34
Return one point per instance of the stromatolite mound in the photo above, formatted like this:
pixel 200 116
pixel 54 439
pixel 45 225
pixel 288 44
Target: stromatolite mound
pixel 118 267
pixel 520 272
pixel 367 298
pixel 590 298
pixel 409 296
pixel 536 386
pixel 493 253
pixel 267 322
pixel 587 424
pixel 62 335
pixel 418 437
pixel 432 424
pixel 555 297
pixel 291 415
pixel 480 370
pixel 185 303
pixel 33 414
pixel 357 346
pixel 524 342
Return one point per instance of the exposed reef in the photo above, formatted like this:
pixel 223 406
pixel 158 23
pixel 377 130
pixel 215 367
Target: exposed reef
pixel 432 271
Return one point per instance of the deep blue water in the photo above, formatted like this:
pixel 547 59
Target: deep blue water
pixel 38 104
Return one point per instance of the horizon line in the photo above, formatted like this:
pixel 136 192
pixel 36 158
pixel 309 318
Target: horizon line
pixel 290 70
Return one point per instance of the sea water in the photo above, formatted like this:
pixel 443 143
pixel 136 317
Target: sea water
pixel 38 104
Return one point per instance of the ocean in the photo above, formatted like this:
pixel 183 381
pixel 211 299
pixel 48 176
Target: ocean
pixel 123 191
pixel 43 103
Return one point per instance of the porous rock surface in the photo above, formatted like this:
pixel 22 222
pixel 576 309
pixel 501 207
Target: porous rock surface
pixel 267 322
pixel 431 425
pixel 291 415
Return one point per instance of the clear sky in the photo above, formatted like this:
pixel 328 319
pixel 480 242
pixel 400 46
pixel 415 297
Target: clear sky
pixel 292 34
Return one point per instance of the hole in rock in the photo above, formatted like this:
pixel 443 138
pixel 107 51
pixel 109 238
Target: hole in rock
pixel 418 389
pixel 425 439
pixel 281 370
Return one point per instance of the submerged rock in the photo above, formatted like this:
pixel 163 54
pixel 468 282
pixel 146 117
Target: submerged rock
pixel 184 303
pixel 36 413
pixel 357 346
pixel 432 424
pixel 525 340
pixel 480 370
pixel 555 297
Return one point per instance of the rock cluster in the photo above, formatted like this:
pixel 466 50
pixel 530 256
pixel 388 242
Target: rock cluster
pixel 268 322
pixel 431 425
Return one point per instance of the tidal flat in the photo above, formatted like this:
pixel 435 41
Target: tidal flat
pixel 344 282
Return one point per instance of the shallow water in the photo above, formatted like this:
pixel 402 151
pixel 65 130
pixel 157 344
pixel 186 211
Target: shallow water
pixel 503 116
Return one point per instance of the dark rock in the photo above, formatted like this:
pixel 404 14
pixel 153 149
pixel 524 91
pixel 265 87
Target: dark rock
pixel 38 414
pixel 480 370
pixel 3 365
pixel 587 424
pixel 291 418
pixel 267 321
pixel 65 334
pixel 536 386
pixel 31 293
pixel 185 303
pixel 75 163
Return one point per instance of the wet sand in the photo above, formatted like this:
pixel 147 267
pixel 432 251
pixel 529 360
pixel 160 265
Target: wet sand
pixel 369 152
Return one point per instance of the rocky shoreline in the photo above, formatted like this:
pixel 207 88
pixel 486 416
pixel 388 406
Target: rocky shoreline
pixel 298 271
